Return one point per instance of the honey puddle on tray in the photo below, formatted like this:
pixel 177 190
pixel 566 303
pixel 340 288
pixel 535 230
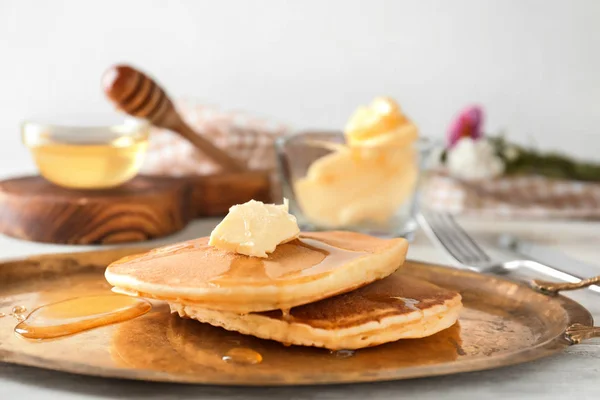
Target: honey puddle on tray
pixel 19 312
pixel 80 314
pixel 160 341
pixel 242 355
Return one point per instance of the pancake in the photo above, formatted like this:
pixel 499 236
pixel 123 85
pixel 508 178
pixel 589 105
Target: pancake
pixel 305 270
pixel 393 308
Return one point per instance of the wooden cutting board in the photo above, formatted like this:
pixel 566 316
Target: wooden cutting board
pixel 146 207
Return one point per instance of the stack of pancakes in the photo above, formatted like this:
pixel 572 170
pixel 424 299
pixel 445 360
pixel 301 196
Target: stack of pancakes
pixel 338 290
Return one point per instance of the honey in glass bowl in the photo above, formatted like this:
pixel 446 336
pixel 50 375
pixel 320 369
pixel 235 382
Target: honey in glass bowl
pixel 86 156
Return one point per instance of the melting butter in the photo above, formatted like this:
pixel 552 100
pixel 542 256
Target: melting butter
pixel 255 229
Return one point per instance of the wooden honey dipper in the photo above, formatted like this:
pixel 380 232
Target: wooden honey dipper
pixel 140 96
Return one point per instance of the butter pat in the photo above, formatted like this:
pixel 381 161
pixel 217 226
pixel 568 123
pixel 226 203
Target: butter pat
pixel 255 229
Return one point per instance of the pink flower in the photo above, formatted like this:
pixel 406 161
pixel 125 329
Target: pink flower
pixel 468 124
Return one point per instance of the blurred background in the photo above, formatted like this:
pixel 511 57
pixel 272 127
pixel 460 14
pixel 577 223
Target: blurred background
pixel 533 65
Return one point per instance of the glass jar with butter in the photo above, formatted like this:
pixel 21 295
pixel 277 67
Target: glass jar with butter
pixel 364 180
pixel 83 154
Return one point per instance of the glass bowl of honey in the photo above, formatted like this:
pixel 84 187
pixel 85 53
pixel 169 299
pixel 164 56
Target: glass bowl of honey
pixel 332 186
pixel 98 153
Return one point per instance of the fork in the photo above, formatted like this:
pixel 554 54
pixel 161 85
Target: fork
pixel 443 229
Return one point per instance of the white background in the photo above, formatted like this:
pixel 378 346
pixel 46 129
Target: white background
pixel 534 65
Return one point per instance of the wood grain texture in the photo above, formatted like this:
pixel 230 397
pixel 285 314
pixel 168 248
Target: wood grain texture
pixel 144 208
pixel 212 195
pixel 31 208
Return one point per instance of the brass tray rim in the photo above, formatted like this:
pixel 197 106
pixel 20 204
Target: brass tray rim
pixel 576 313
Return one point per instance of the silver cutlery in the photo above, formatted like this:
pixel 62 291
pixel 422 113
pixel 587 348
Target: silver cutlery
pixel 546 255
pixel 443 229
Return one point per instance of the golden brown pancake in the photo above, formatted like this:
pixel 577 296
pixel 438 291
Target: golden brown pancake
pixel 396 307
pixel 311 268
pixel 161 342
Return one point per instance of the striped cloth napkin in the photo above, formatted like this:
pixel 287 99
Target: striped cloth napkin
pixel 523 197
pixel 245 137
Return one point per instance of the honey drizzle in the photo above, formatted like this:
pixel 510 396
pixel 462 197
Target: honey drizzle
pixel 80 314
pixel 411 304
pixel 285 314
pixel 334 256
pixel 275 268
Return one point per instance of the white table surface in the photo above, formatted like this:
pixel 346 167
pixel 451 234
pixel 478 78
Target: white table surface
pixel 574 373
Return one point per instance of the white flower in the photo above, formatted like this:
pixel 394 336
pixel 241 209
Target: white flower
pixel 474 160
